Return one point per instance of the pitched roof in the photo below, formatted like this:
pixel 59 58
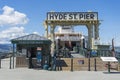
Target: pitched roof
pixel 31 38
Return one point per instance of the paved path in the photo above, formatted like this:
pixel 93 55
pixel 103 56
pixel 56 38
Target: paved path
pixel 32 74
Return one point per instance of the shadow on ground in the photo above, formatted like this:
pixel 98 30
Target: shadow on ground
pixel 111 72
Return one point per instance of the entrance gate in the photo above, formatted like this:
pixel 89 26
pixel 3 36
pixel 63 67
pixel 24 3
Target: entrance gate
pixel 89 19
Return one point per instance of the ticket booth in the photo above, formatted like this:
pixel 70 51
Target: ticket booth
pixel 31 51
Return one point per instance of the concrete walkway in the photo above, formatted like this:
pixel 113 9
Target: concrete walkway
pixel 32 74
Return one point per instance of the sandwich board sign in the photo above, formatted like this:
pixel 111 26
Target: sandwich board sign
pixel 109 59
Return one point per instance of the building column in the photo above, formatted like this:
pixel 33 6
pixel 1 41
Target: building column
pixel 46 30
pixel 52 27
pixel 96 30
pixel 90 36
pixel 13 54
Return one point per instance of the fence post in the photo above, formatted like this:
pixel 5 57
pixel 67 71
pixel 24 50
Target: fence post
pixel 71 64
pixel 0 62
pixel 10 61
pixel 108 67
pixel 95 64
pixel 89 64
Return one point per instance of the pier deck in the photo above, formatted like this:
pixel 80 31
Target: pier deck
pixel 33 74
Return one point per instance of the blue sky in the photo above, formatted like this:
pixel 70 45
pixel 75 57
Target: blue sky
pixel 35 13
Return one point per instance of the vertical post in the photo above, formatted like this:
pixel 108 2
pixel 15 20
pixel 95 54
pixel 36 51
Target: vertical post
pixel 58 64
pixel 96 30
pixel 71 64
pixel 13 54
pixel 88 64
pixel 0 62
pixel 90 35
pixel 109 67
pixel 57 45
pixel 52 36
pixel 46 29
pixel 95 64
pixel 53 40
pixel 10 61
pixel 88 60
pixel 57 52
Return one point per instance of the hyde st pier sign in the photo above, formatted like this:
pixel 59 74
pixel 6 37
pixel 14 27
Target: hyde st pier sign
pixel 72 16
pixel 89 19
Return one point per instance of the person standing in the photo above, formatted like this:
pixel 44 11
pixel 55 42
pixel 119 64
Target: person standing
pixel 30 59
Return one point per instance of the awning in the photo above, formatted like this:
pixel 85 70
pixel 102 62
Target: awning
pixel 31 39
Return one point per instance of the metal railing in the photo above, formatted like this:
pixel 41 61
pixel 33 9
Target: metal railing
pixel 96 53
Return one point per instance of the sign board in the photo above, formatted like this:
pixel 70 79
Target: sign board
pixel 24 51
pixel 72 16
pixel 109 59
pixel 81 61
pixel 39 57
pixel 39 48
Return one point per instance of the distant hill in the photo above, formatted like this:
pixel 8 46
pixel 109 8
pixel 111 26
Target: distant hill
pixel 5 47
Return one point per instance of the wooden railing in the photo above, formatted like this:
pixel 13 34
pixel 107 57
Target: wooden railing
pixel 81 64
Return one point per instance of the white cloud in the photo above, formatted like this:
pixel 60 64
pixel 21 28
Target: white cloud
pixel 11 17
pixel 35 33
pixel 13 20
pixel 11 33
